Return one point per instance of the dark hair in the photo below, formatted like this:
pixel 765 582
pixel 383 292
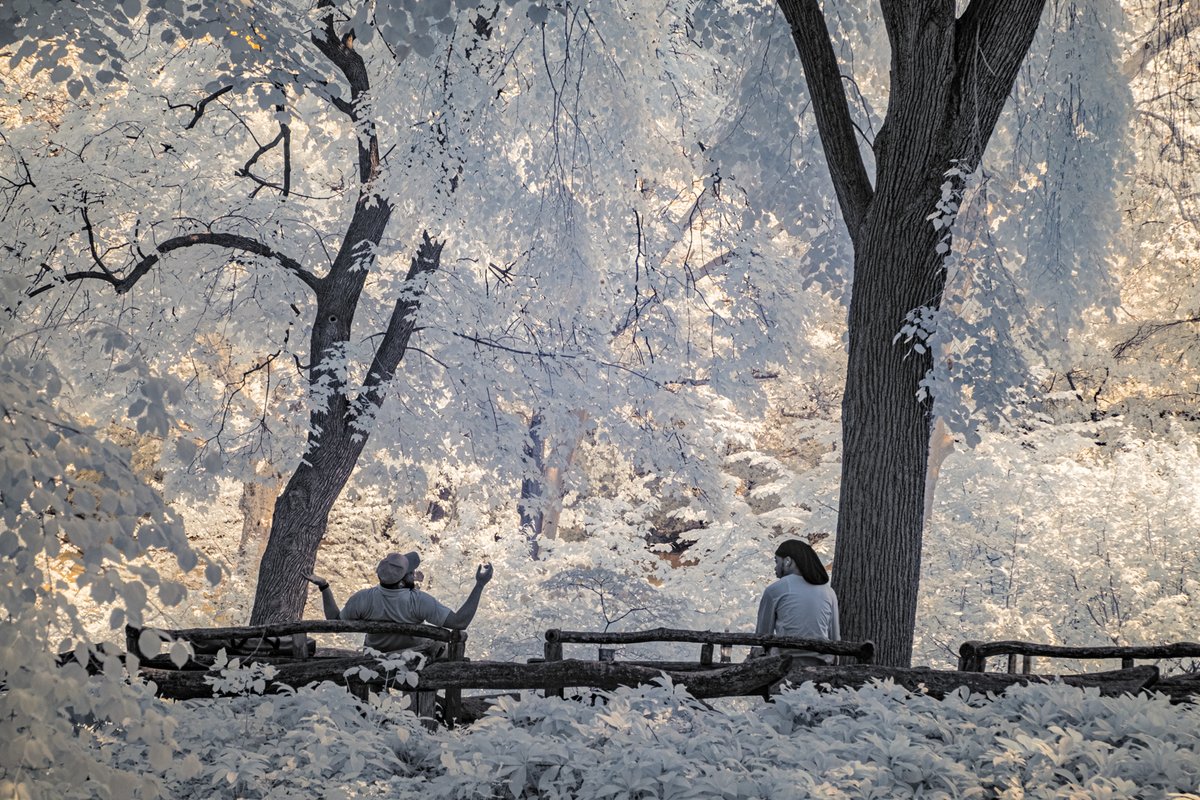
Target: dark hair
pixel 805 559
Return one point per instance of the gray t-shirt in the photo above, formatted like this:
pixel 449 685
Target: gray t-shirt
pixel 394 605
pixel 791 606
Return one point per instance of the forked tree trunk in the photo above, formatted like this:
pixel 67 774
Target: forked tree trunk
pixel 950 77
pixel 340 427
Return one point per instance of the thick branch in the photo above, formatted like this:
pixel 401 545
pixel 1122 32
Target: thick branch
pixel 400 326
pixel 850 179
pixel 992 38
pixel 340 50
pixel 232 241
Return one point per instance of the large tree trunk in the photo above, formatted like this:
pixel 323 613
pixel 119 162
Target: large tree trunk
pixel 301 517
pixel 950 78
pixel 885 438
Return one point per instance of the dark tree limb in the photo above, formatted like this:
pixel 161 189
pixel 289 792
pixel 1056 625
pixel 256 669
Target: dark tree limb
pixel 992 38
pixel 400 327
pixel 199 108
pixel 284 137
pixel 232 241
pixel 832 110
pixel 340 50
pixel 91 237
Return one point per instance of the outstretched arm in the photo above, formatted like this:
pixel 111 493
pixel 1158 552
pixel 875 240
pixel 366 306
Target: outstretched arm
pixel 460 619
pixel 328 603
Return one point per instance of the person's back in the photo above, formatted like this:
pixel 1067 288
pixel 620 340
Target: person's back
pixel 404 604
pixel 801 609
pixel 396 599
pixel 801 602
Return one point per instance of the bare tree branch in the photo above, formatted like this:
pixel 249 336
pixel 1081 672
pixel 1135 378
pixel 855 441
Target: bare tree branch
pixel 232 241
pixel 285 137
pixel 199 108
pixel 1145 332
pixel 1171 28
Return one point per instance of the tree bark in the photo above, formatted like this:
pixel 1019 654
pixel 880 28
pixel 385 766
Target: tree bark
pixel 949 80
pixel 257 505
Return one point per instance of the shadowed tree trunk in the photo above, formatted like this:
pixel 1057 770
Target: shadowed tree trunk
pixel 950 78
pixel 547 462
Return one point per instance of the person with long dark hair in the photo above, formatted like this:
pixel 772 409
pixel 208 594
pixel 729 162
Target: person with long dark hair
pixel 801 603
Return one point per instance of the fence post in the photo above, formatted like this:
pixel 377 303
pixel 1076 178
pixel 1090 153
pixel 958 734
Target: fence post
pixel 456 650
pixel 866 653
pixel 300 645
pixel 554 652
pixel 969 659
pixel 131 640
pixel 706 653
pixel 1012 663
pixel 1126 663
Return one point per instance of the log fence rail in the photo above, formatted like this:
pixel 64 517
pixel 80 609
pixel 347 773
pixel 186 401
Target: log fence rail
pixel 973 655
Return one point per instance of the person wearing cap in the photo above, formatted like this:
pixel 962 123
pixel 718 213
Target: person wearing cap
pixel 397 599
pixel 801 603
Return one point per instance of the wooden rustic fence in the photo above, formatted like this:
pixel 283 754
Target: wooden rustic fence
pixel 973 655
pixel 862 652
pixel 287 647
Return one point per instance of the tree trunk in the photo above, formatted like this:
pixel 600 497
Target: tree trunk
pixel 941 445
pixel 885 435
pixel 547 462
pixel 301 517
pixel 257 505
pixel 885 425
pixel 950 78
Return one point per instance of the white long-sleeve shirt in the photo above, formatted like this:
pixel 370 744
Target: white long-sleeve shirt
pixel 791 606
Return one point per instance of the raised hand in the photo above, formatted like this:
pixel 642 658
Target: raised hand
pixel 483 574
pixel 316 580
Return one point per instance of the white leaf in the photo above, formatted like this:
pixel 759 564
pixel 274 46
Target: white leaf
pixel 179 654
pixel 149 643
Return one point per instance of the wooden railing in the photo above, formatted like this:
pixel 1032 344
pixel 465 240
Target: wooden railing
pixel 973 655
pixel 863 652
pixel 256 642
